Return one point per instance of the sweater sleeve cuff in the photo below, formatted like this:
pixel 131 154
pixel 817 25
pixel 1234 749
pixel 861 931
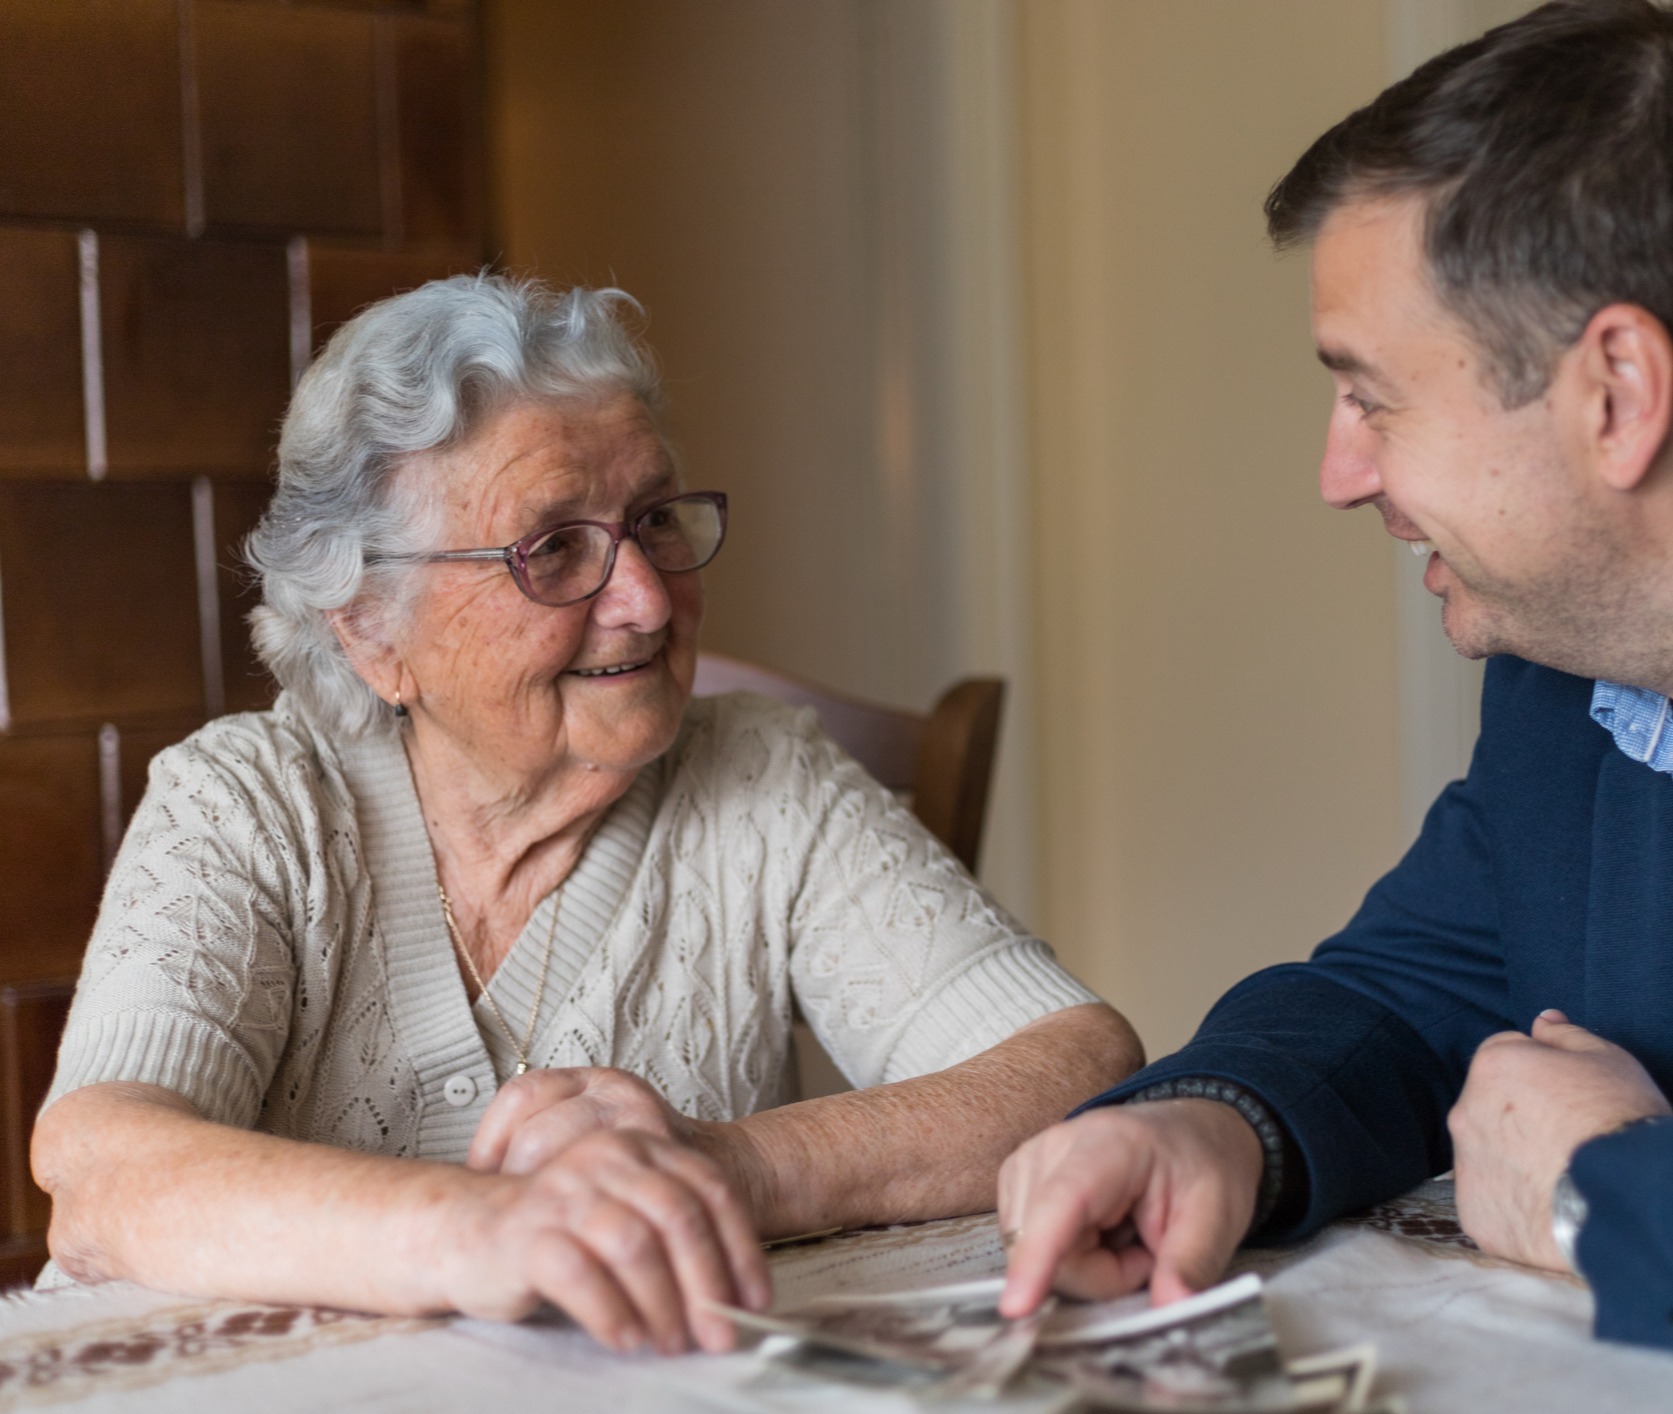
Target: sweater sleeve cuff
pixel 1274 1143
pixel 1001 991
pixel 179 1053
pixel 1625 1247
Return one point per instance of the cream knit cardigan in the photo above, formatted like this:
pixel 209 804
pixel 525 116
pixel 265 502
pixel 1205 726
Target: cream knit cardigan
pixel 272 948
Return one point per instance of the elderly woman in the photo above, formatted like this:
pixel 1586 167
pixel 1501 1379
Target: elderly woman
pixel 462 979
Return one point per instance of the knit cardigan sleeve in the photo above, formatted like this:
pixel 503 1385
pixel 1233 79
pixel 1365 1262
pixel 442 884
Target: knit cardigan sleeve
pixel 189 977
pixel 901 962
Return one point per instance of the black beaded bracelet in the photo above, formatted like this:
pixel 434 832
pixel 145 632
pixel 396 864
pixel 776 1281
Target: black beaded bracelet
pixel 1197 1087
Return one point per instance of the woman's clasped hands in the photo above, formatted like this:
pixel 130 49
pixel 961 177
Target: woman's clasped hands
pixel 608 1209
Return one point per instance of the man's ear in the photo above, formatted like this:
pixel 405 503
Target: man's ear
pixel 1626 364
pixel 371 656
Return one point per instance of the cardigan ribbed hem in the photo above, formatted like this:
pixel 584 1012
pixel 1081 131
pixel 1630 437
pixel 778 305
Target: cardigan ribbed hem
pixel 179 1053
pixel 976 1008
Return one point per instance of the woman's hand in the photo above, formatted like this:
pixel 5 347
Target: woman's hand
pixel 629 1233
pixel 536 1116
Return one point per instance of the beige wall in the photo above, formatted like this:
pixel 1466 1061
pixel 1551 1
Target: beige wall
pixel 1210 651
pixel 1217 749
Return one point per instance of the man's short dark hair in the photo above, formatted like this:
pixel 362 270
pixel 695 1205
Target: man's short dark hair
pixel 1544 151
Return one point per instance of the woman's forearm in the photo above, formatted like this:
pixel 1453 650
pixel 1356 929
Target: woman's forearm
pixel 145 1190
pixel 923 1148
pixel 635 1236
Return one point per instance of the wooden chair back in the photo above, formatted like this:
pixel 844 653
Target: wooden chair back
pixel 944 759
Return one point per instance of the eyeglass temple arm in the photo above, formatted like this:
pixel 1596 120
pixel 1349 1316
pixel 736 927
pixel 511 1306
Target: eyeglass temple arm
pixel 428 556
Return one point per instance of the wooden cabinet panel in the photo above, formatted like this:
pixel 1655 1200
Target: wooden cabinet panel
pixel 238 506
pixel 289 107
pixel 31 1023
pixel 90 110
pixel 41 413
pixel 51 853
pixel 342 281
pixel 439 138
pixel 98 590
pixel 451 8
pixel 195 339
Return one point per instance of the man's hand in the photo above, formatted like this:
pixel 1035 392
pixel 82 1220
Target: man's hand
pixel 1163 1190
pixel 536 1116
pixel 1529 1102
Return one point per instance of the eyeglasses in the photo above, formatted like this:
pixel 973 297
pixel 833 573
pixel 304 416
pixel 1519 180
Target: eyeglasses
pixel 567 563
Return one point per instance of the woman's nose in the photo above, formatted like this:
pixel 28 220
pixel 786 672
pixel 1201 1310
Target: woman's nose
pixel 634 596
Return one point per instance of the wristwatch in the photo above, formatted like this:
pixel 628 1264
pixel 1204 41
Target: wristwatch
pixel 1568 1216
pixel 1568 1204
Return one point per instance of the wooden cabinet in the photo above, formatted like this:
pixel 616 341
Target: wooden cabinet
pixel 437 134
pixel 52 852
pixel 195 348
pixel 99 597
pixel 289 102
pixel 42 408
pixel 31 1020
pixel 90 111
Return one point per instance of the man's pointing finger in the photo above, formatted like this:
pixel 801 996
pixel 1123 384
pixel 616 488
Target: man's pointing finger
pixel 1055 1224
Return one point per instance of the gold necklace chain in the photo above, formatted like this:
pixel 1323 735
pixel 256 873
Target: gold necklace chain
pixel 482 987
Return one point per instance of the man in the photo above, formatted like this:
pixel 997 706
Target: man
pixel 1492 262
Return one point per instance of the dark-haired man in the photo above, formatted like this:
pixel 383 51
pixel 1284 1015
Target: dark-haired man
pixel 1492 260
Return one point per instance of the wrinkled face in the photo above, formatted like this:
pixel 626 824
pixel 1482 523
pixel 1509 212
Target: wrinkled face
pixel 1518 547
pixel 517 685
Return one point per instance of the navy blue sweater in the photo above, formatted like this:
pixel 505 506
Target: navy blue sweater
pixel 1543 879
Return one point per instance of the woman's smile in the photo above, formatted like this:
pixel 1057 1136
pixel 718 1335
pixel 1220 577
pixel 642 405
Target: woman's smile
pixel 621 667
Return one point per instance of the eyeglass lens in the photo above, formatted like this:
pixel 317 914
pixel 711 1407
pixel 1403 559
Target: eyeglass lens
pixel 570 563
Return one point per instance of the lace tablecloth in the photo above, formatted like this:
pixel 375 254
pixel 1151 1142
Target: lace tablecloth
pixel 1454 1330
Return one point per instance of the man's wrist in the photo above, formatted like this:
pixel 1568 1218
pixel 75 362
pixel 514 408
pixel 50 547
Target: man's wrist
pixel 1569 1209
pixel 1258 1117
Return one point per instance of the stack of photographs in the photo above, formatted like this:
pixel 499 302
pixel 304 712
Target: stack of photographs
pixel 1214 1353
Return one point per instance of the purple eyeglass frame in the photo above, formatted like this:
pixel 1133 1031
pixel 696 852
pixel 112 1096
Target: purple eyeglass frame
pixel 515 556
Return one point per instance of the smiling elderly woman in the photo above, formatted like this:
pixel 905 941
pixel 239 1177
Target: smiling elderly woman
pixel 484 831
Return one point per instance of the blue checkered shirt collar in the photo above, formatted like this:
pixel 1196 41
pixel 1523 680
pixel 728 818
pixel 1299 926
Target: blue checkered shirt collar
pixel 1638 719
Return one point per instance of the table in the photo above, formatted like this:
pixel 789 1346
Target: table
pixel 1455 1330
